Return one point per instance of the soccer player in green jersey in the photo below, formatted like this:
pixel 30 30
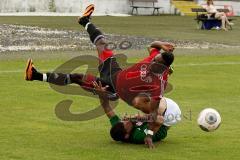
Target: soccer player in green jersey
pixel 135 130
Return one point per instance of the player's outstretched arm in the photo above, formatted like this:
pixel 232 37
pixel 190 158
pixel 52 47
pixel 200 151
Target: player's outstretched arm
pixel 166 46
pixel 102 93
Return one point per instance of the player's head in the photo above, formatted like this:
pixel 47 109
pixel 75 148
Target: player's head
pixel 161 62
pixel 121 131
pixel 165 58
pixel 168 58
pixel 142 102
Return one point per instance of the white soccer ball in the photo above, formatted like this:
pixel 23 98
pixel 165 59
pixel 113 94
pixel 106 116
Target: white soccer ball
pixel 209 120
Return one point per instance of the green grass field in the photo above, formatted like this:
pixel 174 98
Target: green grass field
pixel 30 130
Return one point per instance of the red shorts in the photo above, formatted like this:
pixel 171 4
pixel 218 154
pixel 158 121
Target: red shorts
pixel 107 53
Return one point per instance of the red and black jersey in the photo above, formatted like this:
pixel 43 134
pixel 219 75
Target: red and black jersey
pixel 138 79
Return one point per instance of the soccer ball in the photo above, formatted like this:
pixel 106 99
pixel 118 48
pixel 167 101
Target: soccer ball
pixel 209 119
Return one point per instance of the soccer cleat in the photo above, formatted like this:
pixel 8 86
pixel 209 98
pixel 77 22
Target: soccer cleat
pixel 86 15
pixel 88 11
pixel 29 70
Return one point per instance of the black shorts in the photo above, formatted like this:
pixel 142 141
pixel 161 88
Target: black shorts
pixel 108 73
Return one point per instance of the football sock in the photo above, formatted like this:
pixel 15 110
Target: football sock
pixel 57 78
pixel 94 33
pixel 37 75
pixel 44 79
pixel 83 21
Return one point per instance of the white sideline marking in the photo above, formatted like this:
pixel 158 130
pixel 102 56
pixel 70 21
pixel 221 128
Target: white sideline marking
pixel 17 71
pixel 207 64
pixel 177 65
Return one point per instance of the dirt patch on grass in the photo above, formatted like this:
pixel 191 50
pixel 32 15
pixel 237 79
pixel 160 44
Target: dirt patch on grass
pixel 26 38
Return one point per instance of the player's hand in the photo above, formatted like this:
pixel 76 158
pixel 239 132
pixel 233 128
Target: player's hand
pixel 171 70
pixel 159 120
pixel 100 90
pixel 168 47
pixel 148 141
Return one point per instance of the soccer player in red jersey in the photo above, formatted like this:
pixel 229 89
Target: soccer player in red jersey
pixel 140 85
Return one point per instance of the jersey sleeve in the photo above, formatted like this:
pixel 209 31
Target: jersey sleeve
pixel 161 134
pixel 114 120
pixel 153 53
pixel 138 136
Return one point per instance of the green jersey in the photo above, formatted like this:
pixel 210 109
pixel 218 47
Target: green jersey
pixel 139 131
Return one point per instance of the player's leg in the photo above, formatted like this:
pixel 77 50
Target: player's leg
pixel 96 36
pixel 107 63
pixel 83 80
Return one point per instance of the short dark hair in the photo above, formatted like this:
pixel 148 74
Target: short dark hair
pixel 168 58
pixel 118 132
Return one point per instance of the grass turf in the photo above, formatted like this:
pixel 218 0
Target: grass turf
pixel 167 27
pixel 30 130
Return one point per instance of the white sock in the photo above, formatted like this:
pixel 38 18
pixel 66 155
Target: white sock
pixel 44 77
pixel 68 79
pixel 86 27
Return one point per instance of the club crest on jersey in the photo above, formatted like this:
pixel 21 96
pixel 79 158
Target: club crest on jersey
pixel 139 123
pixel 143 74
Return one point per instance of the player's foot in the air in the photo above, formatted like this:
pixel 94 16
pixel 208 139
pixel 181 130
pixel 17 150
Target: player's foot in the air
pixel 88 11
pixel 29 70
pixel 86 15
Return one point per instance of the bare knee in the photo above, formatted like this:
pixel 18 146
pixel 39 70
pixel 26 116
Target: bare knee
pixel 101 44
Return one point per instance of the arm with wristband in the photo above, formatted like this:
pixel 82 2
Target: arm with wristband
pixel 157 122
pixel 153 127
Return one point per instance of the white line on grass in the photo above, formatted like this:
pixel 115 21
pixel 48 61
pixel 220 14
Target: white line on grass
pixel 177 65
pixel 207 64
pixel 18 71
